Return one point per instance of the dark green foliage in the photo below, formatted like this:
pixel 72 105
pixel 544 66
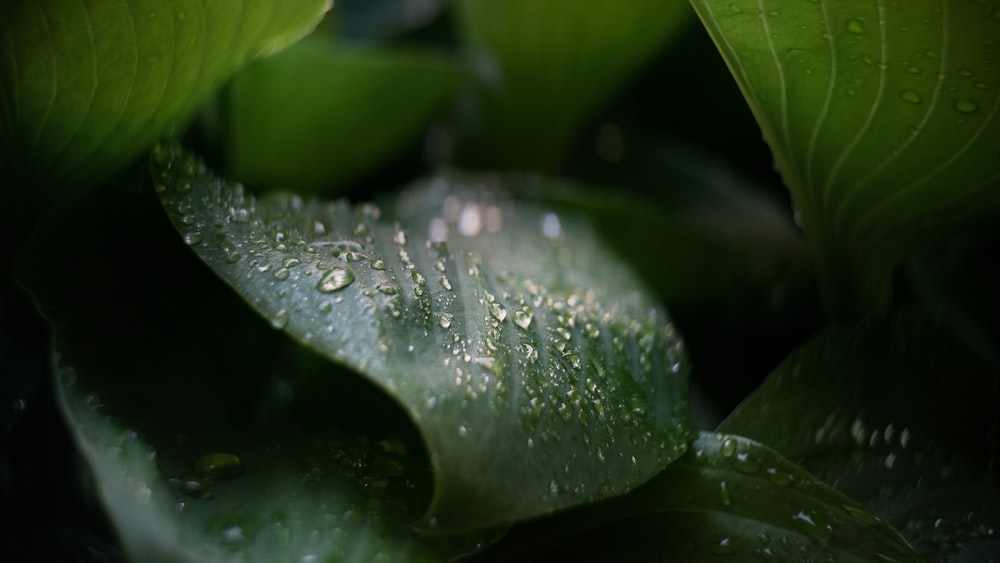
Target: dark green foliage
pixel 206 356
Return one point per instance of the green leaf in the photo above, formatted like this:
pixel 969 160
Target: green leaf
pixel 164 373
pixel 898 415
pixel 85 87
pixel 318 115
pixel 545 67
pixel 538 371
pixel 883 119
pixel 727 498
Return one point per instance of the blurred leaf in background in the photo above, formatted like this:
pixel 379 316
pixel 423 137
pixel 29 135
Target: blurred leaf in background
pixel 85 87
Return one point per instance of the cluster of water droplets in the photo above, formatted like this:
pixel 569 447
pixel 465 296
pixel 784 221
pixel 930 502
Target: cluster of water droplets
pixel 490 319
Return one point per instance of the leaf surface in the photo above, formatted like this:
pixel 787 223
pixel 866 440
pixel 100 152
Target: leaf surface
pixel 883 119
pixel 320 114
pixel 85 87
pixel 898 415
pixel 165 376
pixel 727 498
pixel 543 68
pixel 537 369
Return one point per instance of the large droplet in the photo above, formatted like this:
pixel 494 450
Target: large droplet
pixel 910 96
pixel 522 318
pixel 498 311
pixel 813 525
pixel 279 320
pixel 335 280
pixel 965 106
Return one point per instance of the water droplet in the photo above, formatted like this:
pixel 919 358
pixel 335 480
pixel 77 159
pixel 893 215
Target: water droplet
pixel 233 534
pixel 192 238
pixel 735 9
pixel 400 237
pixel 325 306
pixel 724 546
pixel 551 227
pixel 965 72
pixel 470 220
pixel 965 106
pixel 724 495
pixel 386 289
pixel 463 430
pixel 746 464
pixel 904 437
pixel 728 447
pixel 281 274
pixel 445 320
pixel 445 283
pixel 522 318
pixel 553 488
pixel 813 525
pixel 335 280
pixel 913 70
pixel 855 26
pixel 498 311
pixel 218 465
pixel 230 250
pixel 778 476
pixel 279 320
pixel 378 264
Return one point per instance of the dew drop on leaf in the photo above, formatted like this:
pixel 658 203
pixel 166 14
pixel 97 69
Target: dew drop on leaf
pixel 725 546
pixel 498 311
pixel 855 26
pixel 965 106
pixel 445 320
pixel 910 96
pixel 280 319
pixel 813 525
pixel 724 495
pixel 335 280
pixel 522 318
pixel 728 447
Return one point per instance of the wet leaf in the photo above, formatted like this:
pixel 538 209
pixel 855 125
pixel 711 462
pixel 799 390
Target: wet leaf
pixel 86 87
pixel 898 415
pixel 538 371
pixel 728 498
pixel 883 119
pixel 210 436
